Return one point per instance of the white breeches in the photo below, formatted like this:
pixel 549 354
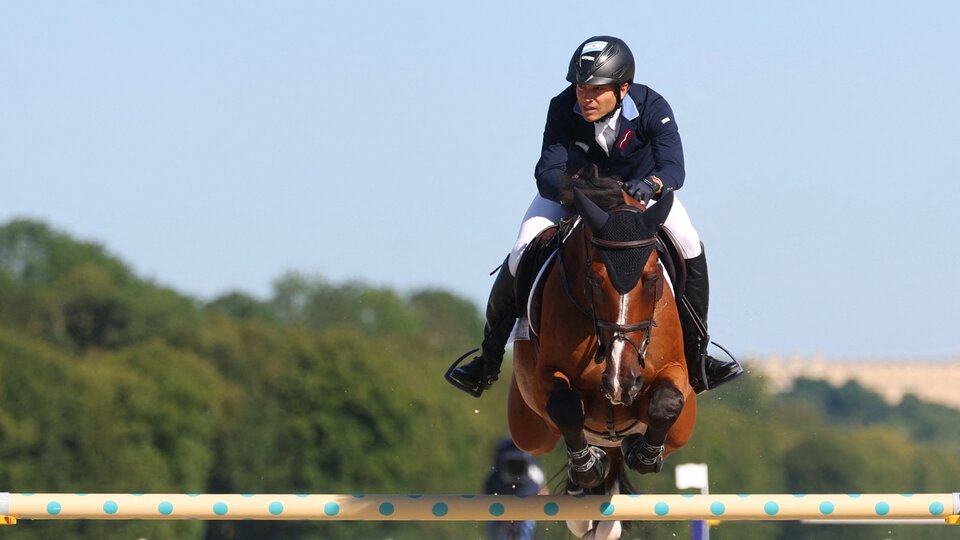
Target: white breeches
pixel 543 213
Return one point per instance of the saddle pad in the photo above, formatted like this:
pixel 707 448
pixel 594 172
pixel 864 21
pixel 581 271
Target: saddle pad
pixel 521 330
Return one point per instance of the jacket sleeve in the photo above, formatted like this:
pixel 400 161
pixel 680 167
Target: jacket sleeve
pixel 664 138
pixel 554 153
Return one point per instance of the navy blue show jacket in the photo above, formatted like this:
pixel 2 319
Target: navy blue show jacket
pixel 647 142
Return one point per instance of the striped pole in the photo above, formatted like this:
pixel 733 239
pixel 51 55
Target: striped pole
pixel 672 507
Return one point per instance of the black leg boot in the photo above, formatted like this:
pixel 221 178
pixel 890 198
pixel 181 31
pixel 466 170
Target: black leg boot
pixel 484 369
pixel 705 371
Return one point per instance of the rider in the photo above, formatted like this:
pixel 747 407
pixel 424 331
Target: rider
pixel 514 472
pixel 629 131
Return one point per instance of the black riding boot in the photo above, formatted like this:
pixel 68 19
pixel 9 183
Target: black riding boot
pixel 484 369
pixel 705 371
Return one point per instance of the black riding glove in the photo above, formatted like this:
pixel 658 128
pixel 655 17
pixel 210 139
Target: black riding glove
pixel 644 190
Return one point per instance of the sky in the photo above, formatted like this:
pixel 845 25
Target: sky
pixel 216 146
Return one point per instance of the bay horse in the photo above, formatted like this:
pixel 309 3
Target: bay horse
pixel 604 367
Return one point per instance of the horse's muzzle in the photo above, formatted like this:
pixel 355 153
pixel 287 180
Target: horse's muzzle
pixel 621 390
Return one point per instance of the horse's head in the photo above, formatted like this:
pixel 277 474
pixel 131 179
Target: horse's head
pixel 623 284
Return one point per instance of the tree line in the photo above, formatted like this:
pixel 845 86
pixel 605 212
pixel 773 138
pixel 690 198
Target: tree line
pixel 110 382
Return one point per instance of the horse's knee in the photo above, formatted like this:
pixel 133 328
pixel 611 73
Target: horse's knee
pixel 666 403
pixel 566 409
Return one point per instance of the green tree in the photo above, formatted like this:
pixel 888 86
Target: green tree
pixel 109 382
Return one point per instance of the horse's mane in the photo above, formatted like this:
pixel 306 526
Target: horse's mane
pixel 605 191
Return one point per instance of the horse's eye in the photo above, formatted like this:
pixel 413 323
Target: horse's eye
pixel 594 280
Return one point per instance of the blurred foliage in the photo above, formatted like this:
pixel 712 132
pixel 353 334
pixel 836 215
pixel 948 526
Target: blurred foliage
pixel 111 383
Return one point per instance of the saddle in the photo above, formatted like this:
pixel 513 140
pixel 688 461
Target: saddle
pixel 539 256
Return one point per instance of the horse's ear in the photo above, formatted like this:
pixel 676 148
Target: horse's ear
pixel 655 215
pixel 589 172
pixel 594 216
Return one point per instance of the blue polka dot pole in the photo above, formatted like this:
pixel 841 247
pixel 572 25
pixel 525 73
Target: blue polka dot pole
pixel 667 507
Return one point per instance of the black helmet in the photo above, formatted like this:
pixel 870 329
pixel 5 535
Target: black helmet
pixel 601 60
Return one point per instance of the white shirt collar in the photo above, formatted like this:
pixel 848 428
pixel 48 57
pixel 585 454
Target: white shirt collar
pixel 606 132
pixel 613 121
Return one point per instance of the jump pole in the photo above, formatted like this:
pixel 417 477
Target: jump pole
pixel 334 507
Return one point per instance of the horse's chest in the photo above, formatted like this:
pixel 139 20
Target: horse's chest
pixel 607 425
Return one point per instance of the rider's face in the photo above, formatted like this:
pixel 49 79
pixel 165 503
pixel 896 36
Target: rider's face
pixel 597 101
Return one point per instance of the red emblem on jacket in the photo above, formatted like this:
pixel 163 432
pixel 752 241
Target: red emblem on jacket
pixel 624 139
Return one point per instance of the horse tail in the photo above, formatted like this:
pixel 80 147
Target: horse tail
pixel 618 473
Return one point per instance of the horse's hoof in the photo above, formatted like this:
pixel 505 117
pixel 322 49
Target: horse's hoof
pixel 579 528
pixel 605 530
pixel 595 530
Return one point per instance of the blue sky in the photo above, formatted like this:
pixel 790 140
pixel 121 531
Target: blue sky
pixel 217 145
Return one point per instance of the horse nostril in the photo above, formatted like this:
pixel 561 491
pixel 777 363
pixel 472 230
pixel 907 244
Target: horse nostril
pixel 608 388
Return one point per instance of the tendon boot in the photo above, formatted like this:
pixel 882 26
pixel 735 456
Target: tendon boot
pixel 484 369
pixel 705 371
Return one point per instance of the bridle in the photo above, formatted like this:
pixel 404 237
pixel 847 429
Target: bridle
pixel 620 332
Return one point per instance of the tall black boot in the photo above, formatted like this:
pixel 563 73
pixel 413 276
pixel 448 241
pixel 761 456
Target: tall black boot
pixel 705 371
pixel 484 369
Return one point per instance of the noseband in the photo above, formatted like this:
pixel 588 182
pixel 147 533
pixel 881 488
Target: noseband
pixel 619 331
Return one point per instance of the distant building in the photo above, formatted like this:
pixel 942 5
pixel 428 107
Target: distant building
pixel 934 381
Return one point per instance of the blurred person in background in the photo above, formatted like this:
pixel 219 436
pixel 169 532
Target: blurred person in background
pixel 514 472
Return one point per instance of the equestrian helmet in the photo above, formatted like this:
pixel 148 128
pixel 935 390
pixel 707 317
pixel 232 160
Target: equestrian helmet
pixel 601 60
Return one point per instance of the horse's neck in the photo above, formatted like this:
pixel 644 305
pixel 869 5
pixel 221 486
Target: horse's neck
pixel 575 247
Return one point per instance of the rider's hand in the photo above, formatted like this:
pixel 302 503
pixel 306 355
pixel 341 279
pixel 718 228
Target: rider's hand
pixel 645 189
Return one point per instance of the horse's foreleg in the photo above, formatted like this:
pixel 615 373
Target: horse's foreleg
pixel 587 465
pixel 644 452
